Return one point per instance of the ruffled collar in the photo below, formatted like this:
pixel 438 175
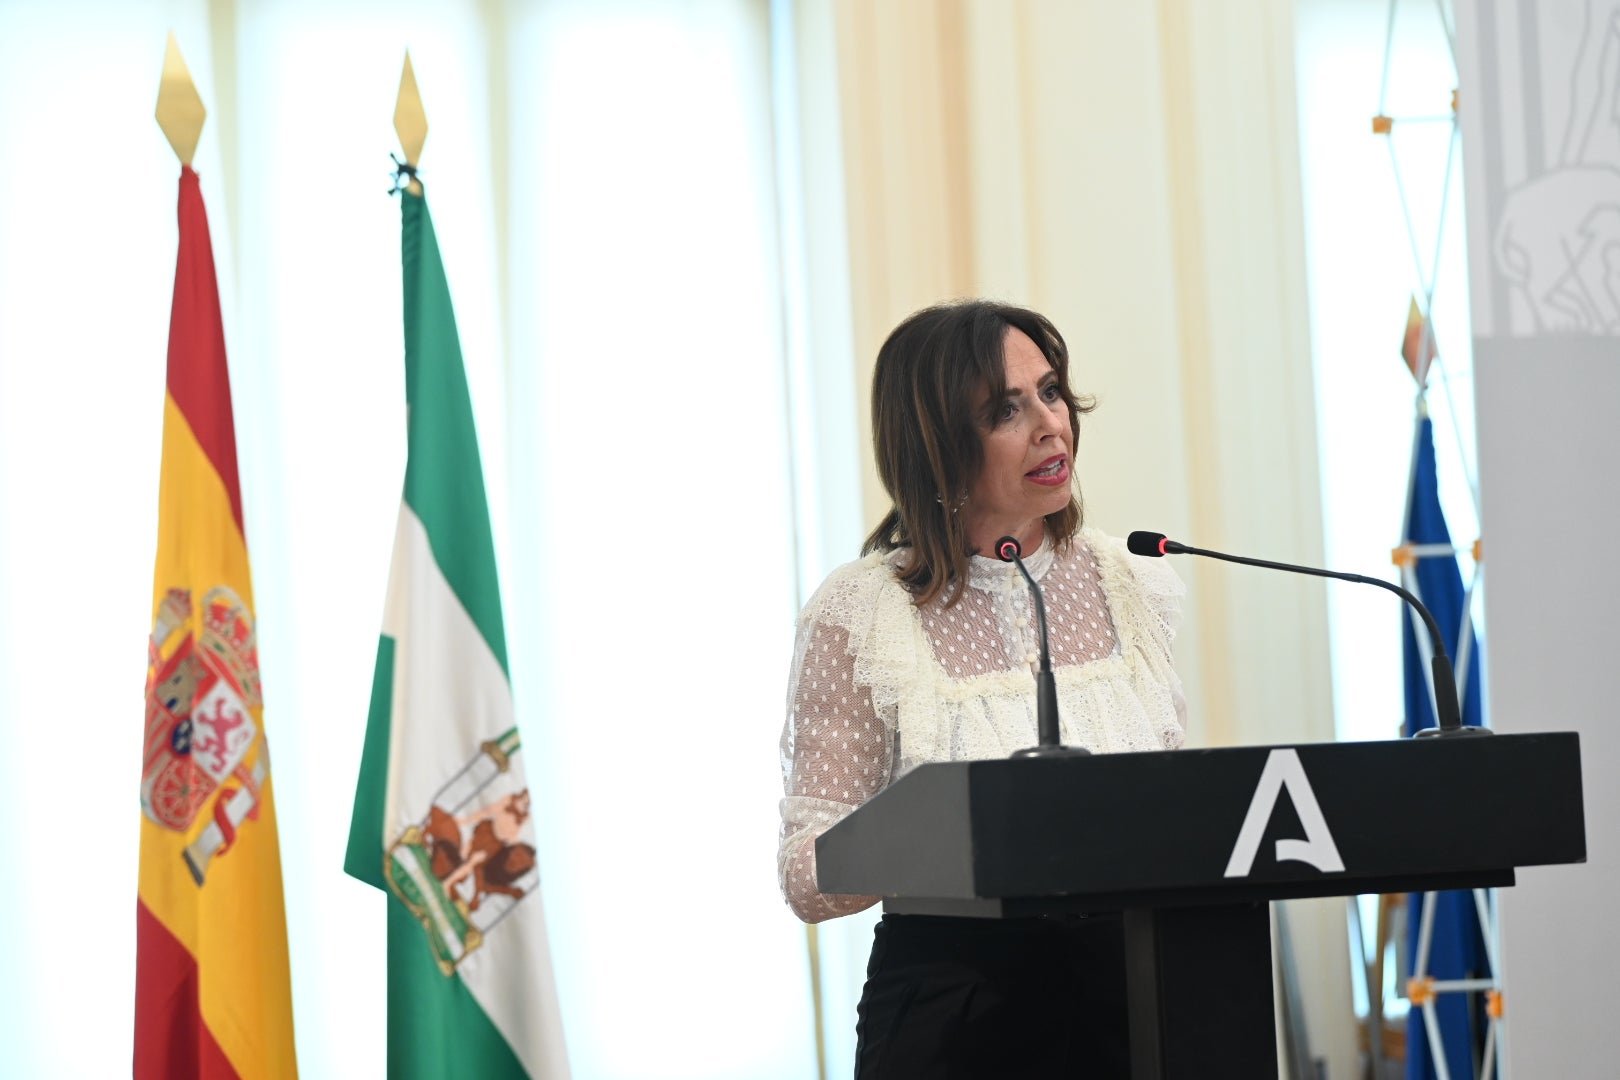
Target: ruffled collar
pixel 994 576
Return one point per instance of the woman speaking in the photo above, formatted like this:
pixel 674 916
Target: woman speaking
pixel 924 650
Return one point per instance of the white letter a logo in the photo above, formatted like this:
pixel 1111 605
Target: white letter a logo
pixel 1283 770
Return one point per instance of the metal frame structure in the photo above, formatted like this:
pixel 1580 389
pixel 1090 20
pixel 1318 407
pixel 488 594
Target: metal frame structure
pixel 1422 988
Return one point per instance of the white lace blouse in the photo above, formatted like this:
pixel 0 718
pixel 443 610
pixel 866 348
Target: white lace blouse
pixel 879 686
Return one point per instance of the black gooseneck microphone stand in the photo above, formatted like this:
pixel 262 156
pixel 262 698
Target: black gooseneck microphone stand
pixel 1448 716
pixel 1049 740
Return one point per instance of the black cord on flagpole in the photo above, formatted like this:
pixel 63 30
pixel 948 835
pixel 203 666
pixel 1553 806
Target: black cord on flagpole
pixel 402 172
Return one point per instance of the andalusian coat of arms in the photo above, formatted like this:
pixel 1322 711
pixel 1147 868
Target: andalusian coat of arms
pixel 468 861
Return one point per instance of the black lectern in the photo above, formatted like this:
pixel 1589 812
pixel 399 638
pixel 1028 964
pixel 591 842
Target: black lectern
pixel 1190 844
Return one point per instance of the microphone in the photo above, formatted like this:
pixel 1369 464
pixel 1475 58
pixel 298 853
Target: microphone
pixel 1049 741
pixel 1447 713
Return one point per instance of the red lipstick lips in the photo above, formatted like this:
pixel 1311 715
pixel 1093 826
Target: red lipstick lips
pixel 1051 472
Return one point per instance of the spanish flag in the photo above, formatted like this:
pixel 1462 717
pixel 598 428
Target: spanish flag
pixel 213 997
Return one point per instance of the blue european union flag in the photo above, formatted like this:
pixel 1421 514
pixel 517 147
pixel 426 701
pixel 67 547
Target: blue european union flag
pixel 1457 949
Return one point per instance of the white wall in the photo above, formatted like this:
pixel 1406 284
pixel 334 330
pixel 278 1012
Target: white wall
pixel 1542 147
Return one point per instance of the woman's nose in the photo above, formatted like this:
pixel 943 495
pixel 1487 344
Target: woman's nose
pixel 1054 419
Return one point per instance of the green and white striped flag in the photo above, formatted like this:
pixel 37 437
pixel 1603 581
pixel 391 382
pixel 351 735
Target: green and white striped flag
pixel 441 811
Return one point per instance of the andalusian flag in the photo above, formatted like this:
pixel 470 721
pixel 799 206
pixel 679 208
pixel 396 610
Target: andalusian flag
pixel 442 811
pixel 212 993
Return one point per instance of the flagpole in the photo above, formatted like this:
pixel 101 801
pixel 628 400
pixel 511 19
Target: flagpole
pixel 470 984
pixel 213 985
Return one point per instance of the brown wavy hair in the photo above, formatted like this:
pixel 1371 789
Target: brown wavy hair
pixel 927 437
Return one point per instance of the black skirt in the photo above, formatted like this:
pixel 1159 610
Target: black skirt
pixel 968 998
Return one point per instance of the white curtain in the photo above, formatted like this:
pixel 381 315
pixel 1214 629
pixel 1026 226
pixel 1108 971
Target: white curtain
pixel 602 177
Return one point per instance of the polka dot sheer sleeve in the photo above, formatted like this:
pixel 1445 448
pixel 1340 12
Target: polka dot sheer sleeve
pixel 835 756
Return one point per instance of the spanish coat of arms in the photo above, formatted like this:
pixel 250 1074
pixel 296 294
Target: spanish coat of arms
pixel 199 724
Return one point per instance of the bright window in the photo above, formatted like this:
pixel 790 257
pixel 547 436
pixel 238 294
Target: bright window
pixel 601 178
pixel 1364 272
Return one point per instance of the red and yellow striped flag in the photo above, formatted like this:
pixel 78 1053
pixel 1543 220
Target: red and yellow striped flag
pixel 212 991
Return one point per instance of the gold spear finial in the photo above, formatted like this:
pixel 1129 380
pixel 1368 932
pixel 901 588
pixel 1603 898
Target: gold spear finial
pixel 180 111
pixel 1418 347
pixel 410 121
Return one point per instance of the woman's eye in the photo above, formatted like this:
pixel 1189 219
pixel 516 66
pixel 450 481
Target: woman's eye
pixel 1052 392
pixel 1006 412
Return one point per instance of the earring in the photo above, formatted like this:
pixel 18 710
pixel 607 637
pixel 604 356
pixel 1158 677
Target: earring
pixel 961 501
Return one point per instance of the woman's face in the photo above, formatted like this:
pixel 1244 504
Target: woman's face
pixel 1028 452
